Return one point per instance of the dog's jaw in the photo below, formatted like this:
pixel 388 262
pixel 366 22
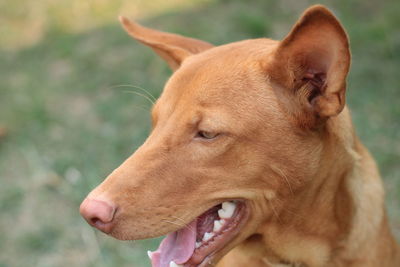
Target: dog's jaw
pixel 213 230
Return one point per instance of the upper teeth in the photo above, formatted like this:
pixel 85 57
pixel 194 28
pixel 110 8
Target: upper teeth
pixel 149 253
pixel 173 264
pixel 228 208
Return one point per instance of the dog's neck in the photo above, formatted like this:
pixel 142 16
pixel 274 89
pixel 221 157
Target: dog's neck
pixel 339 193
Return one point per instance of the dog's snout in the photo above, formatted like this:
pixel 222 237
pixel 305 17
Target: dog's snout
pixel 98 213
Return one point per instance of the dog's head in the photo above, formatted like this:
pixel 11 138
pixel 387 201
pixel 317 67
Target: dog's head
pixel 236 127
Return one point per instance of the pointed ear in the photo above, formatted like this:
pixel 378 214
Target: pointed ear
pixel 313 61
pixel 172 48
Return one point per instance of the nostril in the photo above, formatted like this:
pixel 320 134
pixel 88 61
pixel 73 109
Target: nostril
pixel 94 221
pixel 98 213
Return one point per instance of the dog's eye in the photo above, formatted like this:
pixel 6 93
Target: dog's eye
pixel 206 135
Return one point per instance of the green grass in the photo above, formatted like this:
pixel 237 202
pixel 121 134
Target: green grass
pixel 69 124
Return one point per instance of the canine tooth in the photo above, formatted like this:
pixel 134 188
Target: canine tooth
pixel 149 253
pixel 228 205
pixel 228 208
pixel 207 236
pixel 198 244
pixel 173 264
pixel 217 226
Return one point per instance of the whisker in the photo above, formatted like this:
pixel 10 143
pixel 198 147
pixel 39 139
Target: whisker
pixel 188 226
pixel 182 225
pixel 141 107
pixel 138 93
pixel 274 211
pixel 134 86
pixel 172 222
pixel 290 211
pixel 280 173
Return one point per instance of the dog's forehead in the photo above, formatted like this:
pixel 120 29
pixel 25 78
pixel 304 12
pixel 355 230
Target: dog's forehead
pixel 233 71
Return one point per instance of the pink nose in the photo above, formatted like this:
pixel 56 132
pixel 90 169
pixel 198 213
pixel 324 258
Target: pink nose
pixel 98 214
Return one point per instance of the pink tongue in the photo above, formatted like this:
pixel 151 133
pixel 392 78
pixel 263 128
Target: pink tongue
pixel 177 246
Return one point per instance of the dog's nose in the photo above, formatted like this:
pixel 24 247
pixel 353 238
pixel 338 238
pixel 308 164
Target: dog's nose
pixel 98 213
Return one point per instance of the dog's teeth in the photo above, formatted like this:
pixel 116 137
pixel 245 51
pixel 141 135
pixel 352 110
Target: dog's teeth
pixel 198 244
pixel 207 236
pixel 228 205
pixel 173 264
pixel 228 208
pixel 149 253
pixel 217 226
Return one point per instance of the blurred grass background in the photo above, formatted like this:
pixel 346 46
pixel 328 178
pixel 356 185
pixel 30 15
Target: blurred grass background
pixel 66 121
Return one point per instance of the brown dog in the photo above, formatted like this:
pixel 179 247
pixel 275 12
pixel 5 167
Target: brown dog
pixel 253 159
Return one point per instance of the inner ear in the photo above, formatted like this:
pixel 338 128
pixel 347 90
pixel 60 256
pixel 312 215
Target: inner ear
pixel 312 63
pixel 317 81
pixel 312 73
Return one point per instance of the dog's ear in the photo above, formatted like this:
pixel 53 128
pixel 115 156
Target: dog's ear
pixel 312 62
pixel 173 48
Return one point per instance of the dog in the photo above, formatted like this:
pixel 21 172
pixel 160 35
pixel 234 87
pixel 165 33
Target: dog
pixel 252 159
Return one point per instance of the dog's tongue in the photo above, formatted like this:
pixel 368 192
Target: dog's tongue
pixel 177 246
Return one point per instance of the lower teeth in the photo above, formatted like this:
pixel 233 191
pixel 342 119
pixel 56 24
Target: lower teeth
pixel 173 264
pixel 226 212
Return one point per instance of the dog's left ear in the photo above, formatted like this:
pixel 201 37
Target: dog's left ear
pixel 312 61
pixel 173 48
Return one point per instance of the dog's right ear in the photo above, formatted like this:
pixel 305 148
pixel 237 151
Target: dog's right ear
pixel 173 48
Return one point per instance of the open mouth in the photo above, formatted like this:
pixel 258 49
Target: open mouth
pixel 202 238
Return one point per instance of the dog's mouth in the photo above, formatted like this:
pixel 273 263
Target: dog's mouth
pixel 196 244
